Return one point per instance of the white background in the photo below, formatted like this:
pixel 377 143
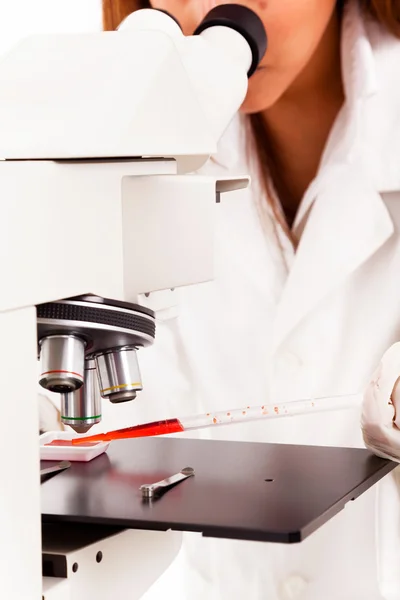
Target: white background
pixel 20 18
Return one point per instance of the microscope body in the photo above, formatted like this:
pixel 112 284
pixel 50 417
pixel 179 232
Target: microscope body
pixel 99 133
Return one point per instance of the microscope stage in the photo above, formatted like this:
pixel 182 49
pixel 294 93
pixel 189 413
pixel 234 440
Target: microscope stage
pixel 245 491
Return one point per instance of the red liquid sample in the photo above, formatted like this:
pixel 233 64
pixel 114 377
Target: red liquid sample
pixel 69 443
pixel 146 430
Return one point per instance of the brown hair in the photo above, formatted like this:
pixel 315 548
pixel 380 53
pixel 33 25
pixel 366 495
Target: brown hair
pixel 115 11
pixel 387 12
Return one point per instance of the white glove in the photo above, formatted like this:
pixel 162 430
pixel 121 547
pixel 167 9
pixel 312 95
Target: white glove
pixel 49 416
pixel 380 420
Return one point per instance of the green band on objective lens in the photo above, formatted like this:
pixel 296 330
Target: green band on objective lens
pixel 81 418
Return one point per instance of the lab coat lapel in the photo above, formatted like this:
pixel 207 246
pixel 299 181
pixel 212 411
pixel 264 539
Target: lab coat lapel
pixel 347 218
pixel 348 223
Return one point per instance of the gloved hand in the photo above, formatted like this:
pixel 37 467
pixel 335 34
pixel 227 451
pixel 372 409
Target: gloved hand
pixel 380 419
pixel 49 415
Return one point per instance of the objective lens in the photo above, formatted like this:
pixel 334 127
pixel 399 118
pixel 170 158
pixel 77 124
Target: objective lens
pixel 62 359
pixel 119 375
pixel 82 409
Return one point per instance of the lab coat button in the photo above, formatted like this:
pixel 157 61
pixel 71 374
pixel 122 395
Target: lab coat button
pixel 292 587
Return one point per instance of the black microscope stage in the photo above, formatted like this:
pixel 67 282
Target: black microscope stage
pixel 244 491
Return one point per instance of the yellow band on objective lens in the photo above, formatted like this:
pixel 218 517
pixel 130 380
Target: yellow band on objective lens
pixel 120 387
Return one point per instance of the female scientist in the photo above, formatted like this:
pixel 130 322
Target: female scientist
pixel 306 298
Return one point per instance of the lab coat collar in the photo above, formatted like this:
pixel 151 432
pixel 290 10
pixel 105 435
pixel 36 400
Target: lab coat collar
pixel 347 225
pixel 379 138
pixel 368 130
pixel 346 141
pixel 358 66
pixel 347 219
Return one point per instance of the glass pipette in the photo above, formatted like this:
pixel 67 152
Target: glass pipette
pixel 227 417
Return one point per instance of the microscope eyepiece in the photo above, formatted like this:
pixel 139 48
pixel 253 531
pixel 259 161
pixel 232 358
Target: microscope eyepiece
pixel 245 22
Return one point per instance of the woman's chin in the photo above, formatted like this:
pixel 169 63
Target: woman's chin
pixel 258 101
pixel 252 106
pixel 266 87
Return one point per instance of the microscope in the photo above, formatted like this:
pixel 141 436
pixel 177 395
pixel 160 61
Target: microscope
pixel 100 135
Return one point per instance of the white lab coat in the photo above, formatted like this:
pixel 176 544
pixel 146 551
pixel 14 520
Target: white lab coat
pixel 275 325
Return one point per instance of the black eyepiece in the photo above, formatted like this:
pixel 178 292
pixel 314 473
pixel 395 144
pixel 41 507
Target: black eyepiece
pixel 244 21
